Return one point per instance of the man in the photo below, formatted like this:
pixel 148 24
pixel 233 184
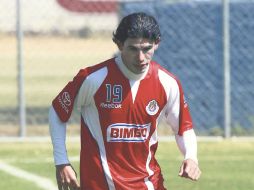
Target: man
pixel 121 101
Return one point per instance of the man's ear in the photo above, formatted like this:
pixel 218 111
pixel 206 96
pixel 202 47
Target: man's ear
pixel 156 46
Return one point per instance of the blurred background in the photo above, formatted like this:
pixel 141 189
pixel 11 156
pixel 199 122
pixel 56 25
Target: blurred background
pixel 207 44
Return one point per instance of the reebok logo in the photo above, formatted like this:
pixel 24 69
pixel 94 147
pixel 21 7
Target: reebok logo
pixel 110 106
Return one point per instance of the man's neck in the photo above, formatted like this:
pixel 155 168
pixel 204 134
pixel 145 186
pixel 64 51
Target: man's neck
pixel 127 73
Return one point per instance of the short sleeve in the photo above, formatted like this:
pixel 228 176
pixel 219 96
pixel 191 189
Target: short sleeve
pixel 177 111
pixel 65 100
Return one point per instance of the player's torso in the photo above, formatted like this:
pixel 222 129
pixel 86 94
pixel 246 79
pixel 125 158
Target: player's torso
pixel 127 114
pixel 128 110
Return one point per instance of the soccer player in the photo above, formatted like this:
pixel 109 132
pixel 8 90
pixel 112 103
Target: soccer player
pixel 121 101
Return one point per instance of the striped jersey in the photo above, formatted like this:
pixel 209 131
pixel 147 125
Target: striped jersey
pixel 119 118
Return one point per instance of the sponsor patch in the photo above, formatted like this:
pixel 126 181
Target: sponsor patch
pixel 66 98
pixel 110 106
pixel 123 132
pixel 65 101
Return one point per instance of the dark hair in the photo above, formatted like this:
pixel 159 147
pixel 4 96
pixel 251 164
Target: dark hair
pixel 137 25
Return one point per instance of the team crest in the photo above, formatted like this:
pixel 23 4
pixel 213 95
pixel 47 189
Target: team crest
pixel 152 108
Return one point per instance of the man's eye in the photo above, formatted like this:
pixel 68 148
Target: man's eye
pixel 133 49
pixel 146 49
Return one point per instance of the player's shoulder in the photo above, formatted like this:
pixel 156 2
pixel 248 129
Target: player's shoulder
pixel 101 65
pixel 163 72
pixel 168 80
pixel 84 72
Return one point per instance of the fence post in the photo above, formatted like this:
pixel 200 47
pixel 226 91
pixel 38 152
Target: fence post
pixel 20 77
pixel 226 62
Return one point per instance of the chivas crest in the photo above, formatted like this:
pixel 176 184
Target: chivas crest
pixel 152 107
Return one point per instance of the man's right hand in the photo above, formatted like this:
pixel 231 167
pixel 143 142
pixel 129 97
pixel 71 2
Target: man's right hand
pixel 66 177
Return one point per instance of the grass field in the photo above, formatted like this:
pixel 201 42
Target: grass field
pixel 225 164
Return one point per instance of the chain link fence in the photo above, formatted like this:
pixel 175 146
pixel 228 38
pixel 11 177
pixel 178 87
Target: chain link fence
pixel 62 36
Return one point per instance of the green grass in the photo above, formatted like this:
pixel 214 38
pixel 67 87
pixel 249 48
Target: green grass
pixel 9 182
pixel 224 165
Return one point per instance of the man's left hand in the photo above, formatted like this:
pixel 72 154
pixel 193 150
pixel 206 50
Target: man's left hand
pixel 190 170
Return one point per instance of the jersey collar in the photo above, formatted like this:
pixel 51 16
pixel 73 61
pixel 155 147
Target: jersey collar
pixel 127 73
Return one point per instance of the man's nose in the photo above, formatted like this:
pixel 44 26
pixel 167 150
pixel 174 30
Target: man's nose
pixel 141 56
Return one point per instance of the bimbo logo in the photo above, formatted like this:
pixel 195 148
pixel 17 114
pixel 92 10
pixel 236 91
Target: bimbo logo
pixel 123 132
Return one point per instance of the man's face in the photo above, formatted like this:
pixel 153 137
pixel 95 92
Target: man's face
pixel 137 53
